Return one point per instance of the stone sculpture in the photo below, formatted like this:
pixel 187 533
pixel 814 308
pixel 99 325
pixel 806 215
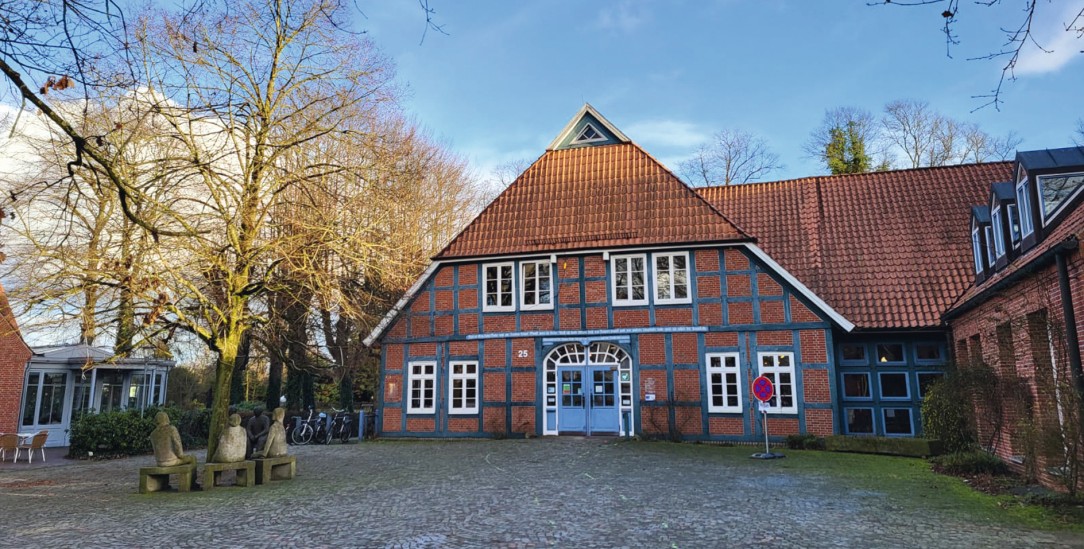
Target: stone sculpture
pixel 275 445
pixel 232 443
pixel 166 442
pixel 257 429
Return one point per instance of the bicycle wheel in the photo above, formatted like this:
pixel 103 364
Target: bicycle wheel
pixel 303 434
pixel 323 436
pixel 344 433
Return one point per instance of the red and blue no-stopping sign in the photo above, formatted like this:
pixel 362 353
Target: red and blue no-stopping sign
pixel 763 389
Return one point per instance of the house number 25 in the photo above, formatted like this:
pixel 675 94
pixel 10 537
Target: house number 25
pixel 522 353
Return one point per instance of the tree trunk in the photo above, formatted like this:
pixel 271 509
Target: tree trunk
pixel 274 379
pixel 220 407
pixel 237 386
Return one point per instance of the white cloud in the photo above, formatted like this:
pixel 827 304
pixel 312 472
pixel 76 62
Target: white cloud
pixel 626 17
pixel 667 134
pixel 1061 46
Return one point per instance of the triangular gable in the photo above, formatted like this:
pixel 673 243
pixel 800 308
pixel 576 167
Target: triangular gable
pixel 610 196
pixel 588 128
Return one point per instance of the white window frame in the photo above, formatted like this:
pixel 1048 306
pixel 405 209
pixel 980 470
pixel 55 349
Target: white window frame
pixel 672 286
pixel 1057 211
pixel 422 377
pixel 723 369
pixel 613 280
pixel 578 140
pixel 466 377
pixel 999 233
pixel 486 307
pixel 772 372
pixel 990 257
pixel 1027 223
pixel 537 292
pixel 976 250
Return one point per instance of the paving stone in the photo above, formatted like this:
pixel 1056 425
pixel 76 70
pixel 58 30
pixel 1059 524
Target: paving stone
pixel 536 493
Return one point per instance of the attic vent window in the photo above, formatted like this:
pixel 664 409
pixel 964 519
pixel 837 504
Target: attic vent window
pixel 589 134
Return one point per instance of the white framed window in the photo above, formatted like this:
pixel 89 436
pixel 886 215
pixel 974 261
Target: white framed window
pixel 535 285
pixel 500 287
pixel 1027 223
pixel 724 382
pixel 629 275
pixel 1056 192
pixel 999 233
pixel 990 257
pixel 672 278
pixel 589 134
pixel 779 368
pixel 422 380
pixel 976 249
pixel 463 387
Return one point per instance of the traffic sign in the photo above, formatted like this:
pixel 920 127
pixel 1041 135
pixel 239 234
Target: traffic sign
pixel 763 389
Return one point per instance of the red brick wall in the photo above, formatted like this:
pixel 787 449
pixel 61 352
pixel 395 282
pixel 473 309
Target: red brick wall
pixel 772 312
pixel 393 356
pixel 597 318
pixel 814 346
pixel 420 424
pixel 468 298
pixel 721 339
pixel 444 325
pixel 523 420
pixel 735 260
pixel 523 387
pixel 779 337
pixel 819 422
pixel 738 286
pixel 445 276
pixel 423 349
pixel 501 323
pixel 569 293
pixel 596 291
pixel 445 300
pixel 392 420
pixel 13 357
pixel 468 323
pixel 710 314
pixel 740 312
pixel 494 353
pixel 494 387
pixel 594 266
pixel 816 385
pixel 801 313
pixel 683 347
pixel 689 420
pixel 493 420
pixel 468 274
pixel 393 387
pixel 708 286
pixel 535 321
pixel 625 318
pixel 570 320
pixel 766 285
pixel 679 316
pixel 707 260
pixel 1029 351
pixel 652 349
pixel 782 426
pixel 419 326
pixel 518 347
pixel 659 376
pixel 726 426
pixel 687 385
pixel 463 424
pixel 654 419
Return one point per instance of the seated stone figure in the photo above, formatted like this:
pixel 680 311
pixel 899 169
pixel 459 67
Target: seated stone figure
pixel 275 445
pixel 167 444
pixel 232 443
pixel 257 429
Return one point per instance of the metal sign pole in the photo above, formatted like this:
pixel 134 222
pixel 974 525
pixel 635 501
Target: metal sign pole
pixel 764 421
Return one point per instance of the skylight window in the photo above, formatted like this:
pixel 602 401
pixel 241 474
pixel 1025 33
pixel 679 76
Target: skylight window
pixel 589 134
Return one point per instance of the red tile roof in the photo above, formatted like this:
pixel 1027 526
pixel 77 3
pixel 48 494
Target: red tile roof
pixel 887 250
pixel 592 197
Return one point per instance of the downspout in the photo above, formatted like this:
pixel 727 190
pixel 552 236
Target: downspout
pixel 1072 341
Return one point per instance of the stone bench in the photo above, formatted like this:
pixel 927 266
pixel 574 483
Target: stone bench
pixel 275 468
pixel 154 479
pixel 246 473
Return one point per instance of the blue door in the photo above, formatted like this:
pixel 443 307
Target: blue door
pixel 603 404
pixel 572 412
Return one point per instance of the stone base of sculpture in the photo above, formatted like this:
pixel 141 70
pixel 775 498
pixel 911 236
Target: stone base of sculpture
pixel 155 479
pixel 245 477
pixel 275 468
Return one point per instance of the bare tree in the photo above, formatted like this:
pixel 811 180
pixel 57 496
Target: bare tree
pixel 731 157
pixel 926 137
pixel 1017 37
pixel 1079 137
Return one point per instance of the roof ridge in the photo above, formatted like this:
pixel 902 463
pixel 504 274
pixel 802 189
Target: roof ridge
pixel 863 175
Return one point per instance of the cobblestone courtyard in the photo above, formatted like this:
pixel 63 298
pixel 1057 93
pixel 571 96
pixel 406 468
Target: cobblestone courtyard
pixel 512 493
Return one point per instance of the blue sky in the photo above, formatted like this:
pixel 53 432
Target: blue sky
pixel 508 75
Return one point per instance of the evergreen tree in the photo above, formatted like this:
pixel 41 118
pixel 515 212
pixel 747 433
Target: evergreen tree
pixel 846 150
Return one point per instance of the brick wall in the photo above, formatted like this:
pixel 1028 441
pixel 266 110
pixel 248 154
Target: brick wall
pixel 13 357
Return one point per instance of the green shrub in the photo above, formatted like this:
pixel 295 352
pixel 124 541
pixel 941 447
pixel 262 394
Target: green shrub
pixel 127 433
pixel 805 442
pixel 892 446
pixel 973 462
pixel 945 413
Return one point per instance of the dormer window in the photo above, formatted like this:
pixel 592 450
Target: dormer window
pixel 990 257
pixel 1056 192
pixel 1027 226
pixel 998 231
pixel 1014 225
pixel 589 134
pixel 976 249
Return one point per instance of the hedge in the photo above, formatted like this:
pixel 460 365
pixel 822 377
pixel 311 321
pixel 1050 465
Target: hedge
pixel 911 447
pixel 127 433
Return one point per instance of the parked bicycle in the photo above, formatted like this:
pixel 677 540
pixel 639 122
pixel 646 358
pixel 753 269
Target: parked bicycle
pixel 342 426
pixel 305 431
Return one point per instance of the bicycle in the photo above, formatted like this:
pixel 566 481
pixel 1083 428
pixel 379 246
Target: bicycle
pixel 304 431
pixel 341 426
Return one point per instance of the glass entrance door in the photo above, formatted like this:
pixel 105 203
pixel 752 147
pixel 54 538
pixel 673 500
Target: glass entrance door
pixel 604 414
pixel 44 406
pixel 572 411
